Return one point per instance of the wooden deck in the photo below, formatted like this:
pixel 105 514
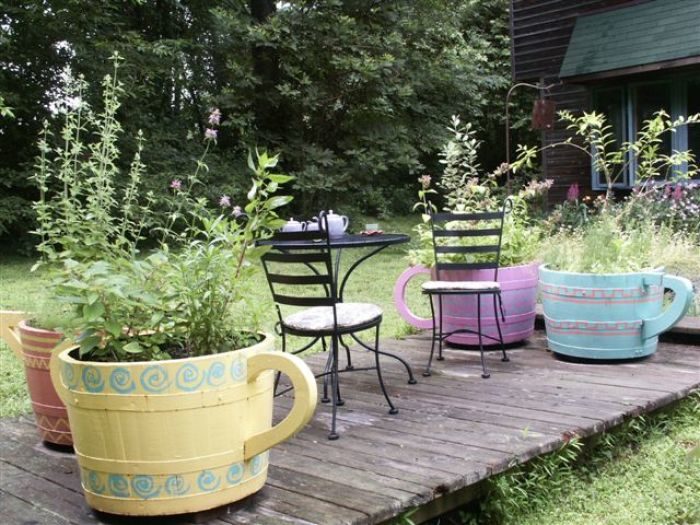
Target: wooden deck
pixel 453 430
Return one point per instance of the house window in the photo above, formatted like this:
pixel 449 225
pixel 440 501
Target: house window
pixel 692 100
pixel 627 107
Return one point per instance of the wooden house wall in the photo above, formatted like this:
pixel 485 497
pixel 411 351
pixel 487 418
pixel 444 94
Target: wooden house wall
pixel 540 33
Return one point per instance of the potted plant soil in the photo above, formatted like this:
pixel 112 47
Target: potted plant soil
pixel 465 189
pixel 169 386
pixel 603 285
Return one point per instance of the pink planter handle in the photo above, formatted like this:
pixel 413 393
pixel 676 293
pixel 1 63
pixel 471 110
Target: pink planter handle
pixel 400 297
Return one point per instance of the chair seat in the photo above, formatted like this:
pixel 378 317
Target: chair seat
pixel 320 318
pixel 460 286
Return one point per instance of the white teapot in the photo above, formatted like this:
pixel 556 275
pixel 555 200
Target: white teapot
pixel 313 225
pixel 293 226
pixel 337 224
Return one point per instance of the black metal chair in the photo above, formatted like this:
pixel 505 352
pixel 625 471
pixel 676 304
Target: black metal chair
pixel 471 242
pixel 305 278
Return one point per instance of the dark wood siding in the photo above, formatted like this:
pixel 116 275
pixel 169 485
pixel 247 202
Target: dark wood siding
pixel 540 32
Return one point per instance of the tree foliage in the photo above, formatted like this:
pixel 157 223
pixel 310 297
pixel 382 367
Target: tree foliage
pixel 353 93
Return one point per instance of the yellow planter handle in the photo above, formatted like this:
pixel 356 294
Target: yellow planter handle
pixel 8 330
pixel 305 396
pixel 55 370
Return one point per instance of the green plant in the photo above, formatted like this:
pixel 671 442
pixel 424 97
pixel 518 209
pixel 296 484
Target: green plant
pixel 619 237
pixel 185 297
pixel 465 189
pixel 606 245
pixel 190 295
pixel 598 141
pixel 83 213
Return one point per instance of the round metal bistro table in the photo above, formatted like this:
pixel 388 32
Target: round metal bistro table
pixel 377 242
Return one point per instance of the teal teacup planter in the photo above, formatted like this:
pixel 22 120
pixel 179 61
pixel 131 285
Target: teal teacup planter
pixel 609 316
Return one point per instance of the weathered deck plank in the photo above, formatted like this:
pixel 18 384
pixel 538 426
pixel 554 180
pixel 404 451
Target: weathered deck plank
pixel 454 429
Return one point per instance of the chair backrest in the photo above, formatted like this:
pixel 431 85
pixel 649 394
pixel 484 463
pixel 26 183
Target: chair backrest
pixel 468 241
pixel 301 276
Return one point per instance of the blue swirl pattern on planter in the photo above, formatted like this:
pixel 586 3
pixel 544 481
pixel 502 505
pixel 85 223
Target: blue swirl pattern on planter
pixel 175 485
pixel 94 482
pixel 92 379
pixel 216 374
pixel 118 485
pixel 189 377
pixel 120 380
pixel 256 464
pixel 207 481
pixel 238 370
pixel 235 474
pixel 68 373
pixel 144 487
pixel 155 379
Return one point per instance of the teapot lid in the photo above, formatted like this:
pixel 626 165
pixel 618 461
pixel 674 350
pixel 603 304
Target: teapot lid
pixel 292 221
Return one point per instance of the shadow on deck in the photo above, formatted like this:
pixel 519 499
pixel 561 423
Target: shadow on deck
pixel 453 430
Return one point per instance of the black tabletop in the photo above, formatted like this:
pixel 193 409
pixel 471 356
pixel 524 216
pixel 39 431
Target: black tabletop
pixel 347 241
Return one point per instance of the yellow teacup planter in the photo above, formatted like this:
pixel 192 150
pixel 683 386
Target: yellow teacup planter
pixel 177 436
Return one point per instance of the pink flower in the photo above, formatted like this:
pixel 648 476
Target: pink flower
pixel 677 193
pixel 214 117
pixel 176 184
pixel 225 201
pixel 425 181
pixel 573 193
pixel 210 134
pixel 237 211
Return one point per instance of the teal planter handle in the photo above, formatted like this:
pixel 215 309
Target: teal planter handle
pixel 683 290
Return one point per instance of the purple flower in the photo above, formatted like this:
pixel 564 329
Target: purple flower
pixel 225 201
pixel 214 117
pixel 210 134
pixel 677 193
pixel 176 184
pixel 573 193
pixel 237 211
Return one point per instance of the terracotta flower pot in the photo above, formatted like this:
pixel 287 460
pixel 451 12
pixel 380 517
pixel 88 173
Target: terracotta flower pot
pixel 33 346
pixel 182 435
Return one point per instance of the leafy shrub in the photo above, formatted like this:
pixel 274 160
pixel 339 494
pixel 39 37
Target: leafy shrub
pixel 465 188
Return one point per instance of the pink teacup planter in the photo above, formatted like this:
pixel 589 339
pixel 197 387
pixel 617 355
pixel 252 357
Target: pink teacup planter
pixel 518 291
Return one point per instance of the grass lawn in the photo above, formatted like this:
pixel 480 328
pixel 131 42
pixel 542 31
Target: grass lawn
pixel 646 472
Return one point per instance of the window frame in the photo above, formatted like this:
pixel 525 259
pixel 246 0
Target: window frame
pixel 679 105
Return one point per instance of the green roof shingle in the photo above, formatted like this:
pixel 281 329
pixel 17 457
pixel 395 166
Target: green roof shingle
pixel 637 35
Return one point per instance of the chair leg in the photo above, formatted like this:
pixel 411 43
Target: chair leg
pixel 392 408
pixel 326 369
pixel 497 297
pixel 409 370
pixel 333 434
pixel 484 373
pixel 432 343
pixel 347 355
pixel 440 357
pixel 279 374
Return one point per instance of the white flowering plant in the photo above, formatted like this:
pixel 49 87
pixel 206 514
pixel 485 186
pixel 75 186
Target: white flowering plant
pixel 464 189
pixel 191 294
